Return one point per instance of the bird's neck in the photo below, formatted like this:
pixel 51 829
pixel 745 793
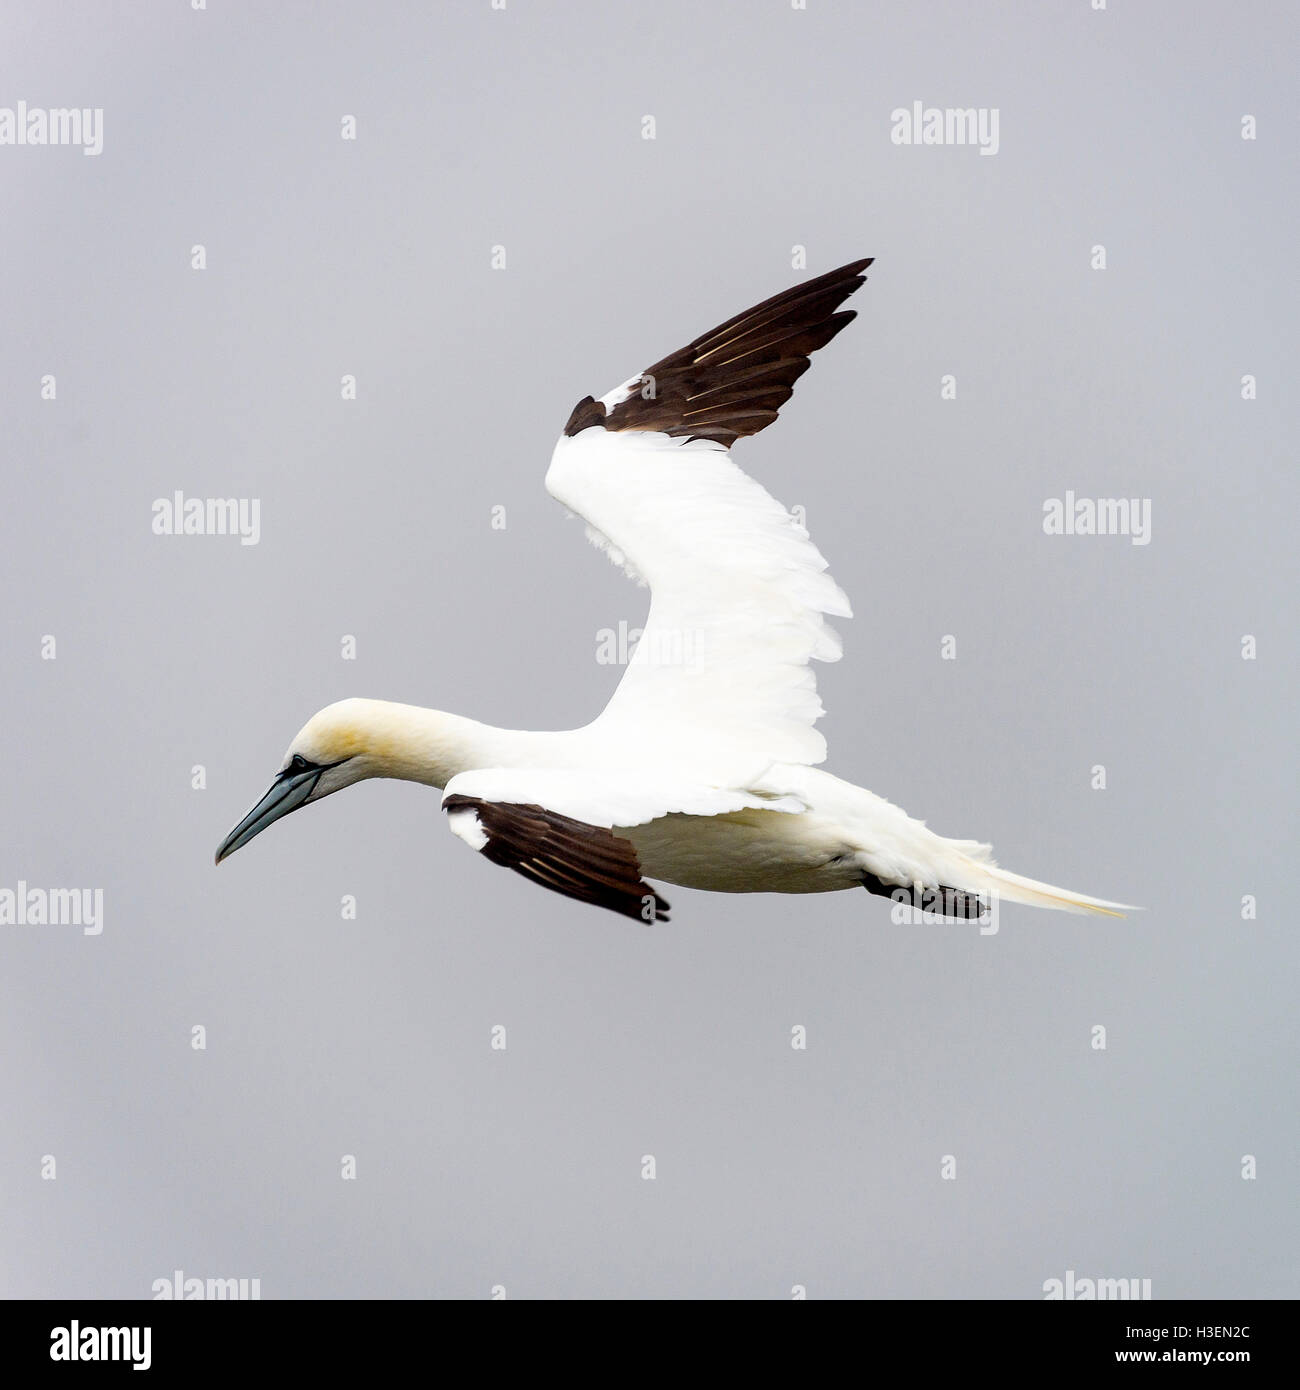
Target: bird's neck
pixel 430 746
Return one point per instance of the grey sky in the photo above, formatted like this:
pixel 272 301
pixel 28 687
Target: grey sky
pixel 373 257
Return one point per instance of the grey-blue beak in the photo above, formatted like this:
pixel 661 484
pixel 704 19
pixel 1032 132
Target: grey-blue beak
pixel 289 790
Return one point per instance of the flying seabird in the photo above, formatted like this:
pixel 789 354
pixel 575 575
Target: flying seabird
pixel 701 770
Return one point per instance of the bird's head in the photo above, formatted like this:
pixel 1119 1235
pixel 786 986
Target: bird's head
pixel 335 748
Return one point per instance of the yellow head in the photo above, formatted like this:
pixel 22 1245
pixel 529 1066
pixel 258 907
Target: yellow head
pixel 345 743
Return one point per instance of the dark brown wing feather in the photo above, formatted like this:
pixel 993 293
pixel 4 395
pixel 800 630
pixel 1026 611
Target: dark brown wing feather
pixel 940 901
pixel 734 379
pixel 582 861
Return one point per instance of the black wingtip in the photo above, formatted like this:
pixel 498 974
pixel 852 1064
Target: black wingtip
pixel 733 380
pixel 586 413
pixel 843 272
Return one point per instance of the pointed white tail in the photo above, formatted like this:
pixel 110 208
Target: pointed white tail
pixel 1015 888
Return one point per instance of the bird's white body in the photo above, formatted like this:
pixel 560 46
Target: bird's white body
pixel 844 830
pixel 701 769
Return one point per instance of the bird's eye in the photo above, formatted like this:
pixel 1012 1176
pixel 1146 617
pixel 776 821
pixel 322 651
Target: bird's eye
pixel 297 763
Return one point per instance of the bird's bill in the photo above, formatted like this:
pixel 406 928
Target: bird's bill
pixel 286 794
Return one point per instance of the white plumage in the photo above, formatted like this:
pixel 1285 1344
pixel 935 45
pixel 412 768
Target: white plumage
pixel 739 594
pixel 700 770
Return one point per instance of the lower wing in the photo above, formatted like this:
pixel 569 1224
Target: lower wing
pixel 559 829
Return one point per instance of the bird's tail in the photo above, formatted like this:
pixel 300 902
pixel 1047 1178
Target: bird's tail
pixel 955 878
pixel 987 879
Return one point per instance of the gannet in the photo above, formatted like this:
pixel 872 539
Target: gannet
pixel 702 769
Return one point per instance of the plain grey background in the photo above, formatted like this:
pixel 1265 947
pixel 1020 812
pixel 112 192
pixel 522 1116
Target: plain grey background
pixel 522 128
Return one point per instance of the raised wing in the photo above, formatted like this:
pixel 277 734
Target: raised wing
pixel 557 828
pixel 739 594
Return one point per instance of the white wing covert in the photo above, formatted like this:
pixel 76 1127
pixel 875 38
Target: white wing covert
pixel 739 595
